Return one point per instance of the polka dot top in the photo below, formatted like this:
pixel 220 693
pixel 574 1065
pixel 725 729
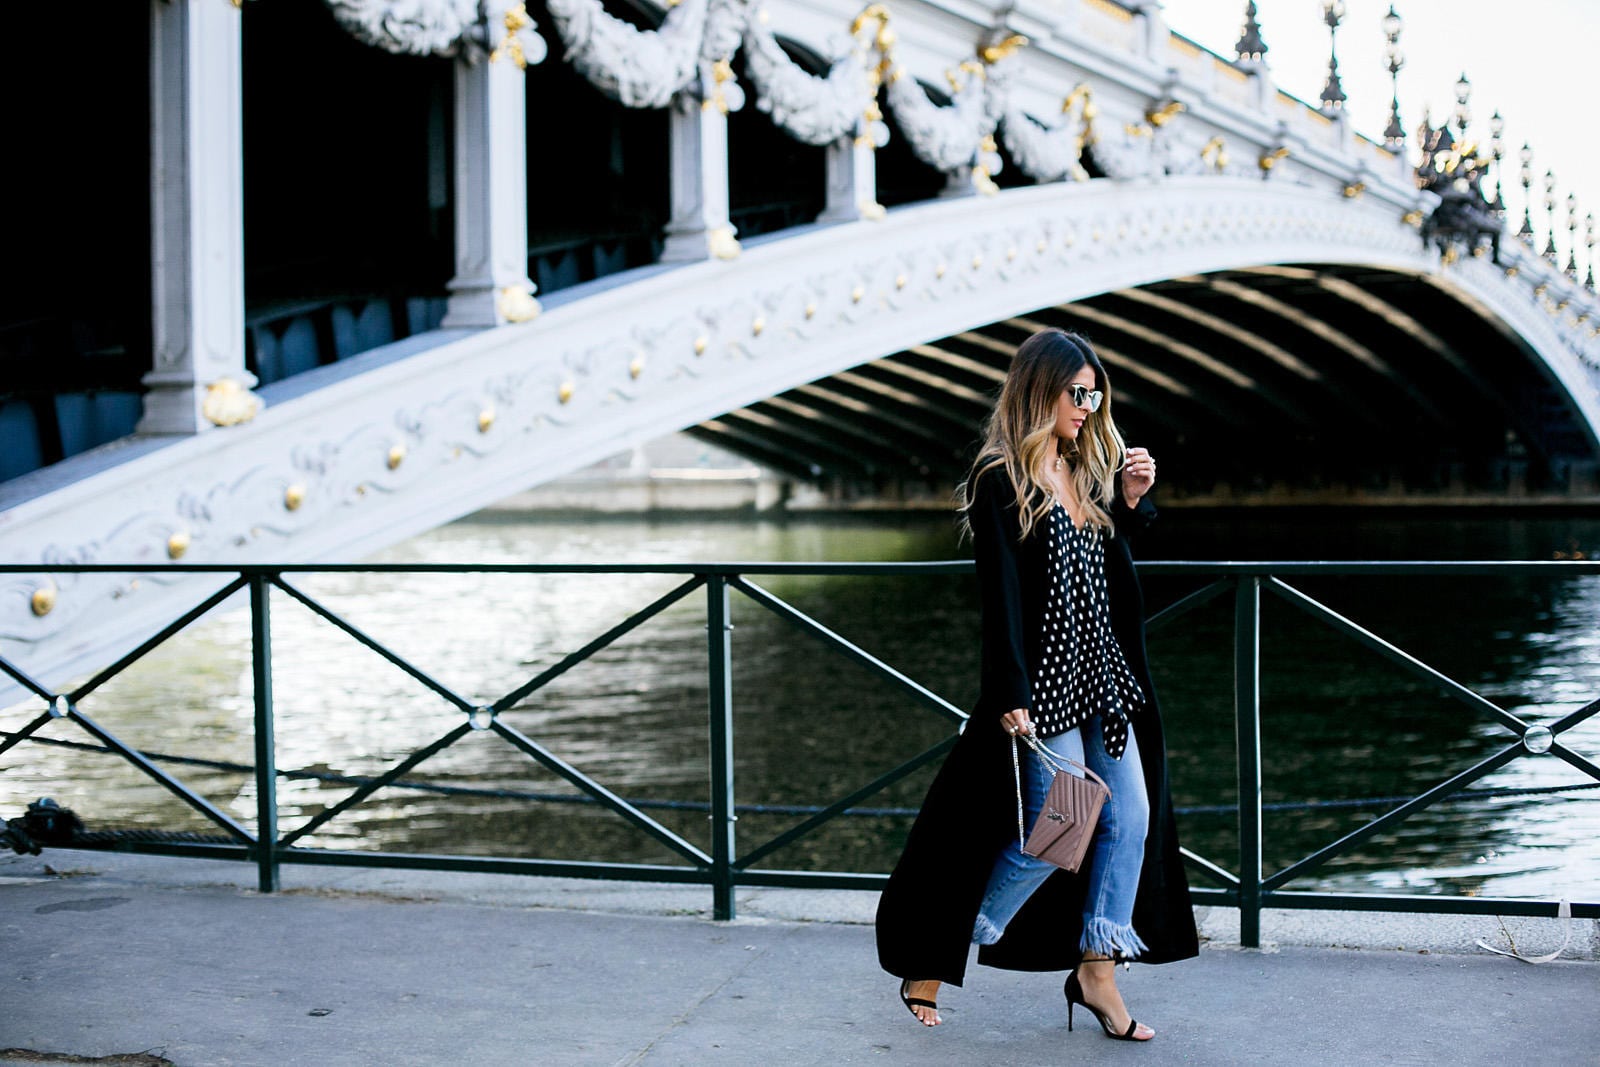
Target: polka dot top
pixel 1081 671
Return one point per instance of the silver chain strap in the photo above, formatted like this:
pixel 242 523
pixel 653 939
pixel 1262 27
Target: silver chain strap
pixel 1044 753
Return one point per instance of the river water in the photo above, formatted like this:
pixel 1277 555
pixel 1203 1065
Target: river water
pixel 1340 724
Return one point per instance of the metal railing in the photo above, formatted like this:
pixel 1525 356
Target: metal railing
pixel 722 866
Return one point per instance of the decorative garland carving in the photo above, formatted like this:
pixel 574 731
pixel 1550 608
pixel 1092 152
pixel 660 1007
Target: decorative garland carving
pixel 439 27
pixel 408 27
pixel 959 135
pixel 1052 153
pixel 635 67
pixel 954 136
pixel 816 110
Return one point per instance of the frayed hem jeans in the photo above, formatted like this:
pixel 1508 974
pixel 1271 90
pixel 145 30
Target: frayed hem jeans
pixel 1115 857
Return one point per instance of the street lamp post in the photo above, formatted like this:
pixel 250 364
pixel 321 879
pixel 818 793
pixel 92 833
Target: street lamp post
pixel 1497 148
pixel 1333 97
pixel 1572 236
pixel 1526 156
pixel 1394 135
pixel 1463 113
pixel 1250 48
pixel 1588 282
pixel 1550 215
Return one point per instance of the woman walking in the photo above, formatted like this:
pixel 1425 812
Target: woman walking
pixel 1050 503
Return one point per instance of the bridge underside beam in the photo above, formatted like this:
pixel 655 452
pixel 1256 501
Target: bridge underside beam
pixel 1300 375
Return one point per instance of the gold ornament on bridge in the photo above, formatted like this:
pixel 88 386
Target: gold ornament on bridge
pixel 1215 153
pixel 178 544
pixel 811 309
pixel 516 21
pixel 1412 218
pixel 899 281
pixel 721 73
pixel 973 71
pixel 564 394
pixel 485 419
pixel 994 53
pixel 756 326
pixel 1353 190
pixel 987 166
pixel 1271 159
pixel 700 344
pixel 397 456
pixel 228 403
pixel 43 600
pixel 1159 117
pixel 856 294
pixel 516 304
pixel 636 367
pixel 721 243
pixel 883 39
pixel 294 496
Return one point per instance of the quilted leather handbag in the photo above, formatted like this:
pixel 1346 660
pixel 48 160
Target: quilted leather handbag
pixel 1065 826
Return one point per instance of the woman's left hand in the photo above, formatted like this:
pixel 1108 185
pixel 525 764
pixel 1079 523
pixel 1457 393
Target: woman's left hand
pixel 1138 475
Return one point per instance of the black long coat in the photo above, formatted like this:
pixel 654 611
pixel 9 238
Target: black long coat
pixel 926 913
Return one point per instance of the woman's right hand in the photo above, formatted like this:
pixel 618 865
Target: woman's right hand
pixel 1016 722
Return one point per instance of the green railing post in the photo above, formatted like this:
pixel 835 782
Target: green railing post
pixel 1247 734
pixel 266 754
pixel 719 658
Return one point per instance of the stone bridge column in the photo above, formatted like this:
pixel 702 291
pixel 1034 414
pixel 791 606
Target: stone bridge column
pixel 852 181
pixel 699 227
pixel 491 285
pixel 196 220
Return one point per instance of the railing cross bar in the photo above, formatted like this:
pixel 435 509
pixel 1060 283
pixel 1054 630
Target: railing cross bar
pixel 878 784
pixel 1188 603
pixel 365 791
pixel 806 624
pixel 22 676
pixel 1432 796
pixel 1396 654
pixel 1209 869
pixel 26 732
pixel 572 659
pixel 1585 765
pixel 405 665
pixel 638 818
pixel 183 620
pixel 1573 718
pixel 171 784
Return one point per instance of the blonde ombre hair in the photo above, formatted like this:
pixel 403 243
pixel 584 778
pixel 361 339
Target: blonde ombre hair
pixel 1018 433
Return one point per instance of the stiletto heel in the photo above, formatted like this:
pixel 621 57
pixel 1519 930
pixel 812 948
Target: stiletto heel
pixel 1073 989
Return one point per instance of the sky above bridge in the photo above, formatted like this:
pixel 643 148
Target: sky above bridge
pixel 1534 60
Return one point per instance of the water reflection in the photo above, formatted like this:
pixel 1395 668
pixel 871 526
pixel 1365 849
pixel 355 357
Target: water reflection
pixel 1340 723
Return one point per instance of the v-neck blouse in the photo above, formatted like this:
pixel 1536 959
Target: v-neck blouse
pixel 1081 671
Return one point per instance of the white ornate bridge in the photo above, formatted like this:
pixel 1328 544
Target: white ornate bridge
pixel 1252 270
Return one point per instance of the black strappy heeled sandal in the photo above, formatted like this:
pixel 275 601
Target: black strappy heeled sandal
pixel 913 1003
pixel 1074 992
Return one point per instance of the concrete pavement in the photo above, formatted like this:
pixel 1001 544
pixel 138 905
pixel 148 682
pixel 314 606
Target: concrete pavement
pixel 177 960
